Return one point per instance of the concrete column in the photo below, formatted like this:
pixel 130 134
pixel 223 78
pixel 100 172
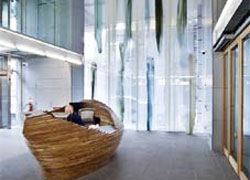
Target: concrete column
pixel 77 72
pixel 218 106
pixel 218 85
pixel 77 82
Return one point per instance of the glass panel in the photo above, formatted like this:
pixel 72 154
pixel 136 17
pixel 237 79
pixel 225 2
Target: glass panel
pixel 47 20
pixel 3 66
pixel 235 70
pixel 246 105
pixel 5 13
pixel 29 17
pixel 15 15
pixel 4 93
pixel 63 30
pixel 227 100
pixel 182 78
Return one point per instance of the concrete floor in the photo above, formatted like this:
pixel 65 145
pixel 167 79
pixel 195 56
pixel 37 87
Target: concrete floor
pixel 141 156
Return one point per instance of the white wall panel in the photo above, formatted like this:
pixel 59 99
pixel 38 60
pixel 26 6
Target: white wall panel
pixel 47 82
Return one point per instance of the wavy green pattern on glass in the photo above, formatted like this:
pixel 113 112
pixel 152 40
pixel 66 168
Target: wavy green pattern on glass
pixel 93 71
pixel 150 91
pixel 147 14
pixel 128 20
pixel 192 95
pixel 123 49
pixel 121 81
pixel 158 22
pixel 98 24
pixel 181 20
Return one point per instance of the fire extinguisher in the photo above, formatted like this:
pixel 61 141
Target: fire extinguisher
pixel 30 105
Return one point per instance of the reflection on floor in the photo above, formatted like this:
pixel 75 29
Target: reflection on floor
pixel 141 156
pixel 246 155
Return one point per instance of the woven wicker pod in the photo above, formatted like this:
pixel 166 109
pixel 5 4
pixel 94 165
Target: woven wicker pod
pixel 66 150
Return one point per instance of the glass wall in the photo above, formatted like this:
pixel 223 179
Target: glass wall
pixel 48 20
pixel 4 93
pixel 234 108
pixel 169 90
pixel 237 119
pixel 246 105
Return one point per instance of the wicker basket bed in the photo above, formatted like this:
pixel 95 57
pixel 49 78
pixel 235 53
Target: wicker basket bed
pixel 66 150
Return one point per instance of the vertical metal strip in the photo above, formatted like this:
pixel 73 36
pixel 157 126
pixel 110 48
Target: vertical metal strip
pixel 230 102
pixel 9 90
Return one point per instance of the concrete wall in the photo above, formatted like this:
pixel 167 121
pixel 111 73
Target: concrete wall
pixel 77 72
pixel 218 108
pixel 77 82
pixel 47 82
pixel 77 25
pixel 218 85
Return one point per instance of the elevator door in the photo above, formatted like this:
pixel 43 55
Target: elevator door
pixel 5 119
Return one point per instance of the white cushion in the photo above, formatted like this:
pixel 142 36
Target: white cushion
pixel 87 114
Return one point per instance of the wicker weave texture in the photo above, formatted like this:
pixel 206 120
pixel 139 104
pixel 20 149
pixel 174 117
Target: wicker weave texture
pixel 66 150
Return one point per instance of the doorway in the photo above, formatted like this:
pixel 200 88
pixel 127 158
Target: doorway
pixel 16 92
pixel 5 121
pixel 10 92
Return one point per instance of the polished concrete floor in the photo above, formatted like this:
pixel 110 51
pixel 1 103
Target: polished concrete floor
pixel 141 156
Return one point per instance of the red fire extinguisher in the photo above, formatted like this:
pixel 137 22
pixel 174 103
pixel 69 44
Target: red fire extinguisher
pixel 30 105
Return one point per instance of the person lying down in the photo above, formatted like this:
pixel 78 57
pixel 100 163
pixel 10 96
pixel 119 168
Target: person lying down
pixel 73 116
